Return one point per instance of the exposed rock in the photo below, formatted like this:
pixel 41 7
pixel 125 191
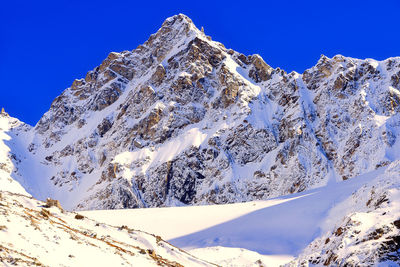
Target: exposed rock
pixel 79 217
pixel 104 126
pixel 53 203
pixel 260 71
pixel 158 75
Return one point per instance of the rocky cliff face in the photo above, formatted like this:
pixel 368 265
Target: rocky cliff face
pixel 183 120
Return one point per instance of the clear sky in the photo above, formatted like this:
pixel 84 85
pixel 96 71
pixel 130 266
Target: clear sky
pixel 45 45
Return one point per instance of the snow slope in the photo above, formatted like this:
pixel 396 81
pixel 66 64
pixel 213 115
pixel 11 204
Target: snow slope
pixel 282 227
pixel 32 234
pixel 8 158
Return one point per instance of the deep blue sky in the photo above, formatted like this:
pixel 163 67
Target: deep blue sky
pixel 45 45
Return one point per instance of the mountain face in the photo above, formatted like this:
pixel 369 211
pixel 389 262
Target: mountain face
pixel 183 120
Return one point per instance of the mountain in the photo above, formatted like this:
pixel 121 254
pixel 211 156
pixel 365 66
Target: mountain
pixel 182 120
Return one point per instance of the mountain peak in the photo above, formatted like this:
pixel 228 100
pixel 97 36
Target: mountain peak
pixel 179 18
pixel 3 112
pixel 181 98
pixel 174 29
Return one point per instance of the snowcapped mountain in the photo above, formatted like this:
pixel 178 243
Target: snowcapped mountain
pixel 182 120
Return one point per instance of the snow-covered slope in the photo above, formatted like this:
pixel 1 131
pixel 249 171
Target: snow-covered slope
pixel 354 222
pixel 363 230
pixel 10 173
pixel 32 234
